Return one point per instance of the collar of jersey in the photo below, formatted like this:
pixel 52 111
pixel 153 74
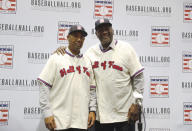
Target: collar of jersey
pixel 68 52
pixel 111 46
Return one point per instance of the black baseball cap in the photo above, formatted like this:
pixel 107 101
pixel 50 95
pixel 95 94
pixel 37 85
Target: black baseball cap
pixel 102 21
pixel 78 28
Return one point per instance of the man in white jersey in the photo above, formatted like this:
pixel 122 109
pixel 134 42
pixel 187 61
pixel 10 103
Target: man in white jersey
pixel 67 87
pixel 119 79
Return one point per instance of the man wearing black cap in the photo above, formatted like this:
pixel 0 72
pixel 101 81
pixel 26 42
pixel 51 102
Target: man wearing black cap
pixel 67 87
pixel 119 79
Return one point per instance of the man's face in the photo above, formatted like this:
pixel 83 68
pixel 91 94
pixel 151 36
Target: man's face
pixel 105 34
pixel 75 40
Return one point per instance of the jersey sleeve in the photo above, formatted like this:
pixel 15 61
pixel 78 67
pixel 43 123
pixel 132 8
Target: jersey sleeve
pixel 47 75
pixel 138 86
pixel 92 99
pixel 44 100
pixel 133 64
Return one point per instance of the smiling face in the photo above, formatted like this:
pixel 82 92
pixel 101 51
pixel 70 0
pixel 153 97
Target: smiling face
pixel 75 40
pixel 105 34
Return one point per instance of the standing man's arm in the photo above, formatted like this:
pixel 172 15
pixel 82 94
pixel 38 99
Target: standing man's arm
pixel 92 106
pixel 135 71
pixel 45 106
pixel 137 84
pixel 60 50
pixel 92 99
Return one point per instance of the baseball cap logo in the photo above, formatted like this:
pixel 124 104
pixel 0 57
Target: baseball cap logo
pixel 79 27
pixel 101 20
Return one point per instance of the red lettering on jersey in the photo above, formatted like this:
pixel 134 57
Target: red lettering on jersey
pixel 117 67
pixel 111 64
pixel 71 69
pixel 96 64
pixel 85 69
pixel 63 72
pixel 79 69
pixel 104 65
pixel 88 74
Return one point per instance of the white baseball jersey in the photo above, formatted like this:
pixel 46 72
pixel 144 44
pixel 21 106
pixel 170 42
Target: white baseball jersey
pixel 113 69
pixel 70 79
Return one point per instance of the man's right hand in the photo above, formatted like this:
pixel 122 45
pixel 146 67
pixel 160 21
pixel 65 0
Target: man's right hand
pixel 50 123
pixel 133 113
pixel 60 50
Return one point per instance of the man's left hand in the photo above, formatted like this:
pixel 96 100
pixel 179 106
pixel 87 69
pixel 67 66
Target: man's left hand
pixel 133 113
pixel 91 119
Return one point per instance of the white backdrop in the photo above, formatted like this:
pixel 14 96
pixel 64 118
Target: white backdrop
pixel 160 31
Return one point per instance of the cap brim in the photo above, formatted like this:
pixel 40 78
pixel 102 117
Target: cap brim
pixel 102 24
pixel 82 32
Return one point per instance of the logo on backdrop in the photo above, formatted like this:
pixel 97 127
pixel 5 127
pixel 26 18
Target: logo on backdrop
pixel 157 112
pixel 103 9
pixel 159 129
pixel 33 112
pixel 186 36
pixel 20 29
pixel 4 112
pixel 187 61
pixel 159 86
pixel 6 56
pixel 160 36
pixel 187 113
pixel 186 86
pixel 147 8
pixel 38 57
pixel 122 34
pixel 63 29
pixel 57 5
pixel 19 84
pixel 8 6
pixel 187 10
pixel 155 61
